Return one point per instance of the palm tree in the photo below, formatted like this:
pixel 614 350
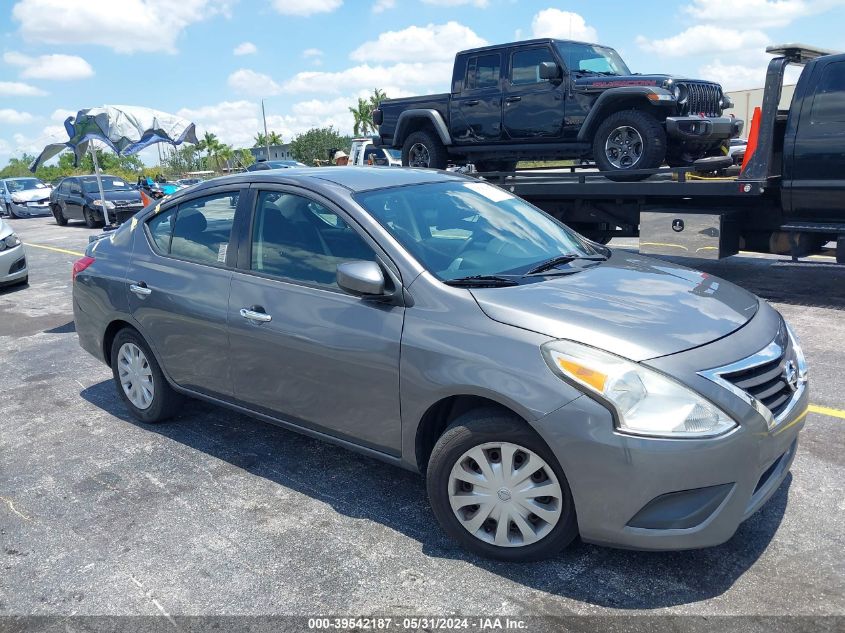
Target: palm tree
pixel 260 140
pixel 362 117
pixel 377 97
pixel 224 154
pixel 274 138
pixel 212 147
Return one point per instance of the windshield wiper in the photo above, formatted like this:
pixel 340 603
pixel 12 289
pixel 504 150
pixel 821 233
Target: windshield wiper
pixel 481 281
pixel 554 262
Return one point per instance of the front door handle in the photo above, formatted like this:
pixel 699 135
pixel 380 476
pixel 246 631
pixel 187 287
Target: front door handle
pixel 140 290
pixel 513 99
pixel 472 102
pixel 256 314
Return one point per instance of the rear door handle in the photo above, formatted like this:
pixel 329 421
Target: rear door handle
pixel 140 289
pixel 513 99
pixel 472 102
pixel 256 314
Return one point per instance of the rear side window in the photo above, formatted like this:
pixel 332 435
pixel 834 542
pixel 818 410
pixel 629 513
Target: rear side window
pixel 829 102
pixel 198 230
pixel 525 66
pixel 483 72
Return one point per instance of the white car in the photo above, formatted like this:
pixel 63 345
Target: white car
pixel 13 268
pixel 25 197
pixel 364 153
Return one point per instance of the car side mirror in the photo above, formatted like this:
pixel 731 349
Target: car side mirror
pixel 550 71
pixel 362 279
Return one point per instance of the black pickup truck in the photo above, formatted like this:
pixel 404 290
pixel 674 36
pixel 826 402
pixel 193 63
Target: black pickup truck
pixel 549 99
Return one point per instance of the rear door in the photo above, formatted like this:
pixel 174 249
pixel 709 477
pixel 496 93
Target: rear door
pixel 301 348
pixel 476 112
pixel 178 288
pixel 533 107
pixel 73 201
pixel 818 160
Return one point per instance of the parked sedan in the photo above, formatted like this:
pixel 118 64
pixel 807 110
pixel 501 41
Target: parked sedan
pixel 13 268
pixel 274 164
pixel 78 198
pixel 25 197
pixel 546 385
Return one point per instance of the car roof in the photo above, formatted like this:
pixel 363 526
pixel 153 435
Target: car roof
pixel 541 40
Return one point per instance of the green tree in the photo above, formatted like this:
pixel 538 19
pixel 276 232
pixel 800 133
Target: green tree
pixel 376 98
pixel 316 143
pixel 362 117
pixel 260 140
pixel 274 138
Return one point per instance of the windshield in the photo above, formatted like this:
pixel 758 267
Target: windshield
pixel 22 184
pixel 592 58
pixel 458 229
pixel 110 183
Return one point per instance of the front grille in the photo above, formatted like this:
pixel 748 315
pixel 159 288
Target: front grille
pixel 767 382
pixel 703 98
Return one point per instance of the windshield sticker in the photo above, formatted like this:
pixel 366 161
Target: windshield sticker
pixel 221 253
pixel 118 183
pixel 494 194
pixel 134 223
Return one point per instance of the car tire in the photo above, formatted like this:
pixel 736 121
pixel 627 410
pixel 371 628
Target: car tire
pixel 629 139
pixel 11 209
pixel 480 432
pixel 139 380
pixel 506 166
pixel 90 218
pixel 61 220
pixel 424 149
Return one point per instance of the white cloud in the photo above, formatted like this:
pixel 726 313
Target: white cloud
pixel 305 8
pixel 251 83
pixel 703 39
pixel 481 4
pixel 245 48
pixel 315 55
pixel 434 42
pixel 14 117
pixel 19 89
pixel 60 115
pixel 562 24
pixel 422 77
pixel 380 6
pixel 61 67
pixel 138 25
pixel 751 74
pixel 753 13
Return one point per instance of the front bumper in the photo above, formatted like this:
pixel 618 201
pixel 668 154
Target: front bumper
pixel 702 129
pixel 13 266
pixel 30 209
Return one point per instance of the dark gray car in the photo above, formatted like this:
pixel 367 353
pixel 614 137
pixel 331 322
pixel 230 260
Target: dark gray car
pixel 547 386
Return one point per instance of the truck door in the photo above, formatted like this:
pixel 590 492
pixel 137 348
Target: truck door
pixel 818 160
pixel 476 113
pixel 533 107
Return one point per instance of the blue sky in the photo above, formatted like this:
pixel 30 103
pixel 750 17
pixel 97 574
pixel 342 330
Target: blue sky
pixel 213 60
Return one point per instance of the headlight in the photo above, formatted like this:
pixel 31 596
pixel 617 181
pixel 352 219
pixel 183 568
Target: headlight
pixel 108 204
pixel 726 102
pixel 646 402
pixel 680 93
pixel 799 353
pixel 10 241
pixel 18 200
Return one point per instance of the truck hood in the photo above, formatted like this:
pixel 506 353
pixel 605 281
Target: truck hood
pixel 603 82
pixel 633 306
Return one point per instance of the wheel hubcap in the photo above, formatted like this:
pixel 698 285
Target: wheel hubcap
pixel 136 376
pixel 624 147
pixel 418 156
pixel 505 494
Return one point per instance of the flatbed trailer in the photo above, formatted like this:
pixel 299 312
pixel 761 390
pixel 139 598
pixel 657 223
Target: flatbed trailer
pixel 772 205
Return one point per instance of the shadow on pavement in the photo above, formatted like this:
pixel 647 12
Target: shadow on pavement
pixel 361 487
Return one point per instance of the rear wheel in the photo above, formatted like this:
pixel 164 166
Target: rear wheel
pixel 424 149
pixel 61 220
pixel 629 140
pixel 139 379
pixel 496 488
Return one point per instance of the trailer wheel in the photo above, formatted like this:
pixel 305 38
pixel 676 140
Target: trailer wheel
pixel 424 149
pixel 629 140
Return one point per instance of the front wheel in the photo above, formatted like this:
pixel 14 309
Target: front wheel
pixel 497 489
pixel 11 210
pixel 90 218
pixel 424 149
pixel 61 220
pixel 629 140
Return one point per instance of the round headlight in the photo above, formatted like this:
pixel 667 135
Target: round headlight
pixel 11 241
pixel 680 93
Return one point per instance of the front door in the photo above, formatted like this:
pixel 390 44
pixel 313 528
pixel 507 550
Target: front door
pixel 301 348
pixel 817 179
pixel 72 207
pixel 178 287
pixel 476 112
pixel 533 108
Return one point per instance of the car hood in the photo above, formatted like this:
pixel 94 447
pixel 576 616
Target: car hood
pixel 133 195
pixel 633 306
pixel 603 82
pixel 28 195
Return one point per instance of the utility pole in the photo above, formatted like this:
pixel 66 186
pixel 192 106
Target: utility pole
pixel 266 136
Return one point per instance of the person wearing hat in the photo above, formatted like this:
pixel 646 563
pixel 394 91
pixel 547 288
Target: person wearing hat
pixel 341 158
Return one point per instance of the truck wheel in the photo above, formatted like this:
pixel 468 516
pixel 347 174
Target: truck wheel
pixel 424 149
pixel 629 139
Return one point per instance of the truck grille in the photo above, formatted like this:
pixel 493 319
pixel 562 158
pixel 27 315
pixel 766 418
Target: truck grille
pixel 703 98
pixel 767 382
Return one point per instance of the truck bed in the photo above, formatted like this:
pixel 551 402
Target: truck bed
pixel 392 108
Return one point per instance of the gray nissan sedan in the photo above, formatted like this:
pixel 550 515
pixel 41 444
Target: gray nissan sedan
pixel 547 386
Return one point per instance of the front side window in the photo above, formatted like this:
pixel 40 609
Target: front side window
pixel 457 229
pixel 525 66
pixel 299 239
pixel 483 72
pixel 198 230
